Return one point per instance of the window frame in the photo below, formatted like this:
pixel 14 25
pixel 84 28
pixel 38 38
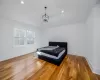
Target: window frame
pixel 17 35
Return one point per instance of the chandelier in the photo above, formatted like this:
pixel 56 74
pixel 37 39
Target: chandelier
pixel 45 17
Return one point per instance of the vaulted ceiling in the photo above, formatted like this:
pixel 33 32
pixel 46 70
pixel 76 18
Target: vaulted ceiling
pixel 31 11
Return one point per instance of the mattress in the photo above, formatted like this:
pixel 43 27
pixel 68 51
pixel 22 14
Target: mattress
pixel 48 48
pixel 55 51
pixel 51 56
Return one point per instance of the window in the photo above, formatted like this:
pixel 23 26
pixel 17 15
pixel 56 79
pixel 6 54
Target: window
pixel 23 37
pixel 30 37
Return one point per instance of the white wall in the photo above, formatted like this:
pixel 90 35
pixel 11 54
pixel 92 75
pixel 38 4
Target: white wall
pixel 97 39
pixel 75 35
pixel 93 24
pixel 90 25
pixel 7 50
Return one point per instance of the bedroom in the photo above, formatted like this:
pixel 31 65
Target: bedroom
pixel 75 22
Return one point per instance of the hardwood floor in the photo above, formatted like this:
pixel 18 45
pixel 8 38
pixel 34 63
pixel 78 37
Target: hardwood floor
pixel 28 67
pixel 98 76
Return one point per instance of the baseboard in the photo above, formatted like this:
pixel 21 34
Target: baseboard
pixel 96 70
pixel 90 65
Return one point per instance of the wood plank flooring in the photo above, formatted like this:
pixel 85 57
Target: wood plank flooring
pixel 28 67
pixel 98 76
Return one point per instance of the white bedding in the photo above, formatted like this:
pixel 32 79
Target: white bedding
pixel 49 48
pixel 51 56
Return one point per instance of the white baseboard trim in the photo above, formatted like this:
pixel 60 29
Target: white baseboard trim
pixel 90 65
pixel 96 71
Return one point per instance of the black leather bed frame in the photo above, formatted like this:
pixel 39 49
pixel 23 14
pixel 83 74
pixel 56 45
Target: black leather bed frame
pixel 52 60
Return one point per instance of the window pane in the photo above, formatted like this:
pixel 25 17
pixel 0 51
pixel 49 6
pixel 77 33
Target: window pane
pixel 16 41
pixel 30 34
pixel 19 33
pixel 21 41
pixel 22 33
pixel 30 41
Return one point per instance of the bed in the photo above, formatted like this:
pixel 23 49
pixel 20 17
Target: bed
pixel 53 53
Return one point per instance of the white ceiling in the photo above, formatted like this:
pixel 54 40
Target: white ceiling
pixel 30 13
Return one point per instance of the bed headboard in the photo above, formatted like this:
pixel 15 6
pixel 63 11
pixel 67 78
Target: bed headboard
pixel 60 44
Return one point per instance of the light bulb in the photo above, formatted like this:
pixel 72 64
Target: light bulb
pixel 22 2
pixel 62 11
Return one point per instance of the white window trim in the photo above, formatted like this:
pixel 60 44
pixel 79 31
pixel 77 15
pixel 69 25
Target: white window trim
pixel 25 37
